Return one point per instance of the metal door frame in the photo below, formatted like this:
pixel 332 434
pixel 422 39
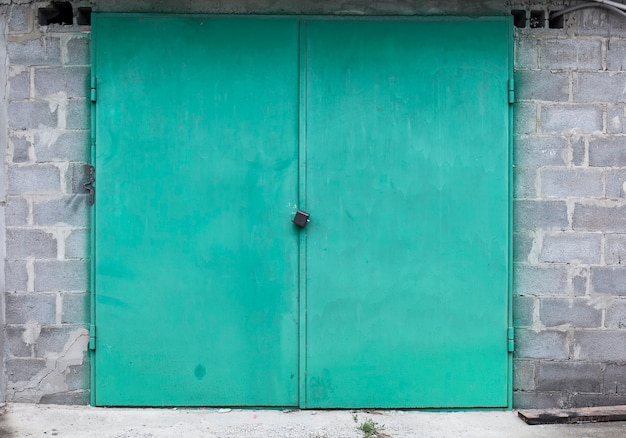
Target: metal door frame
pixel 302 168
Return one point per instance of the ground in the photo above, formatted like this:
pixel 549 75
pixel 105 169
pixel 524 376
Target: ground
pixel 30 420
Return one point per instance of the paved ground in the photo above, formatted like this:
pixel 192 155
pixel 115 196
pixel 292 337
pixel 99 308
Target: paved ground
pixel 25 420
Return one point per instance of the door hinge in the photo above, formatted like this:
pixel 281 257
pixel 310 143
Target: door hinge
pixel 511 91
pixel 93 90
pixel 92 337
pixel 91 178
pixel 511 339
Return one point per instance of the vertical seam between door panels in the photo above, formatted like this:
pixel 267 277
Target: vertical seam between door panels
pixel 302 243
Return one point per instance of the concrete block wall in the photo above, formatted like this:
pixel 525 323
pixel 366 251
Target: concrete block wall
pixel 569 220
pixel 570 213
pixel 46 215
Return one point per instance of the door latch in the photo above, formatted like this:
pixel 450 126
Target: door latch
pixel 301 218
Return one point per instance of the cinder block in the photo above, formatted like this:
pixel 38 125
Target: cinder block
pixel 523 307
pixel 21 19
pixel 532 150
pixel 523 375
pixel 16 275
pixel 541 345
pixel 525 118
pixel 600 345
pixel 22 243
pixel 31 115
pixel 607 151
pixel 617 27
pixel 22 370
pixel 576 312
pixel 526 53
pixel 560 119
pixel 616 314
pixel 599 87
pixel 70 210
pixel 76 308
pixel 547 215
pixel 76 178
pixel 524 182
pixel 570 54
pixel 569 376
pixel 539 280
pixel 615 183
pixel 615 379
pixel 21 308
pixel 38 178
pixel 78 114
pixel 53 339
pixel 539 400
pixel 522 244
pixel 73 81
pixel 77 244
pixel 542 85
pixel 616 54
pixel 61 275
pixel 78 376
pixel 565 183
pixel 590 400
pixel 21 148
pixel 615 249
pixel 591 217
pixel 40 51
pixel 62 146
pixel 616 119
pixel 593 22
pixel 73 398
pixel 14 341
pixel 610 280
pixel 572 248
pixel 78 51
pixel 19 85
pixel 16 212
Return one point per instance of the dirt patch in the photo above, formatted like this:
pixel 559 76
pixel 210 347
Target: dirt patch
pixel 5 430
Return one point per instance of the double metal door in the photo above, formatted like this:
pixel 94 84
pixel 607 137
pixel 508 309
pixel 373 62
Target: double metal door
pixel 211 132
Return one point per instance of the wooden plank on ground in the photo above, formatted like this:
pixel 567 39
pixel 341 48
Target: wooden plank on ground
pixel 577 415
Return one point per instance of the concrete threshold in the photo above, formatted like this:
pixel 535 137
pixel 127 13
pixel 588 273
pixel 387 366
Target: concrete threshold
pixel 30 420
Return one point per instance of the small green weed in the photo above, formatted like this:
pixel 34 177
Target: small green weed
pixel 370 428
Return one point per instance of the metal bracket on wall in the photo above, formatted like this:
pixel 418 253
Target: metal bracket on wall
pixel 91 190
pixel 511 91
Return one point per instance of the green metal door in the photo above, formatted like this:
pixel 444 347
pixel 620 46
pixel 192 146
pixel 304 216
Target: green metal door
pixel 393 134
pixel 196 262
pixel 408 190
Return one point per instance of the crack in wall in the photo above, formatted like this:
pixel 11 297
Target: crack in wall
pixel 51 380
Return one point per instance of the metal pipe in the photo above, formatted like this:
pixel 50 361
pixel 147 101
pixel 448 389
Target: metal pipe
pixel 617 5
pixel 589 5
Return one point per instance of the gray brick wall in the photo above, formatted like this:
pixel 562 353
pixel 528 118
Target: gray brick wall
pixel 569 210
pixel 47 221
pixel 4 208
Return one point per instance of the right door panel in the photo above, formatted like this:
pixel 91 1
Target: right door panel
pixel 407 147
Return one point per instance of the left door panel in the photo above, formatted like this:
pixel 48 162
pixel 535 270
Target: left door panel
pixel 196 260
